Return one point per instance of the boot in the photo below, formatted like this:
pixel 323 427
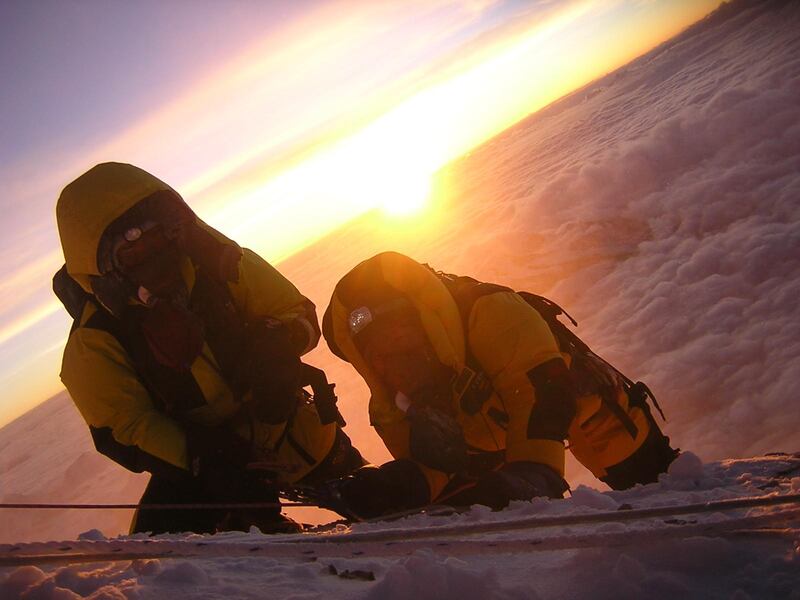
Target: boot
pixel 644 466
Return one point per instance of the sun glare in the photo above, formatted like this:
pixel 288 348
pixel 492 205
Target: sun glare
pixel 389 163
pixel 406 197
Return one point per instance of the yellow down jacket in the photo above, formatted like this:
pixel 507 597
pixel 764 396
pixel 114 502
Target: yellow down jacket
pixel 509 339
pixel 101 377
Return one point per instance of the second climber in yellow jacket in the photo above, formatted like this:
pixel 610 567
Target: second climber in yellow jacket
pixel 184 356
pixel 474 396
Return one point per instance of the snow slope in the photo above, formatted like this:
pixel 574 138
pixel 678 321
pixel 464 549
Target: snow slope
pixel 659 205
pixel 46 455
pixel 476 555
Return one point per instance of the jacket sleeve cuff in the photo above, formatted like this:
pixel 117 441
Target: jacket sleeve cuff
pixel 303 335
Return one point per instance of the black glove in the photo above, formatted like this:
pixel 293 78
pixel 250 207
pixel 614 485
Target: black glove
pixel 436 439
pixel 520 480
pixel 375 491
pixel 273 369
pixel 218 461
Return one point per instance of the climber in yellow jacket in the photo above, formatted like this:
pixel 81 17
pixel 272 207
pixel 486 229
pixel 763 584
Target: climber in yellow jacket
pixel 473 395
pixel 184 356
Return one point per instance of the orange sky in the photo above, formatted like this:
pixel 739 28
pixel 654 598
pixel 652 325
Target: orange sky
pixel 339 108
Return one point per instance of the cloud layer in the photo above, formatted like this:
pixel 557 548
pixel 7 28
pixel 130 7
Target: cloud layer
pixel 661 203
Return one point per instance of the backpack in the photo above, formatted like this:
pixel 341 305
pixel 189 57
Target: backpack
pixel 587 366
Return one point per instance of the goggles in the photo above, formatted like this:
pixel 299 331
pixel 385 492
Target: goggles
pixel 139 233
pixel 138 245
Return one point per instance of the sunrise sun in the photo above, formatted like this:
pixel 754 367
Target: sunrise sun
pixel 406 197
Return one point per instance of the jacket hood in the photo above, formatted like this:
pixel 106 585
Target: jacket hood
pixel 374 281
pixel 88 205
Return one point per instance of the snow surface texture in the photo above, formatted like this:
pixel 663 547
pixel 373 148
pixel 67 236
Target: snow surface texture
pixel 699 555
pixel 659 205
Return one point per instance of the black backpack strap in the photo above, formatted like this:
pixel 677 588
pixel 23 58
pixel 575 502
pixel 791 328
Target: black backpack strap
pixel 472 387
pixel 466 291
pixel 71 294
pixel 546 307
